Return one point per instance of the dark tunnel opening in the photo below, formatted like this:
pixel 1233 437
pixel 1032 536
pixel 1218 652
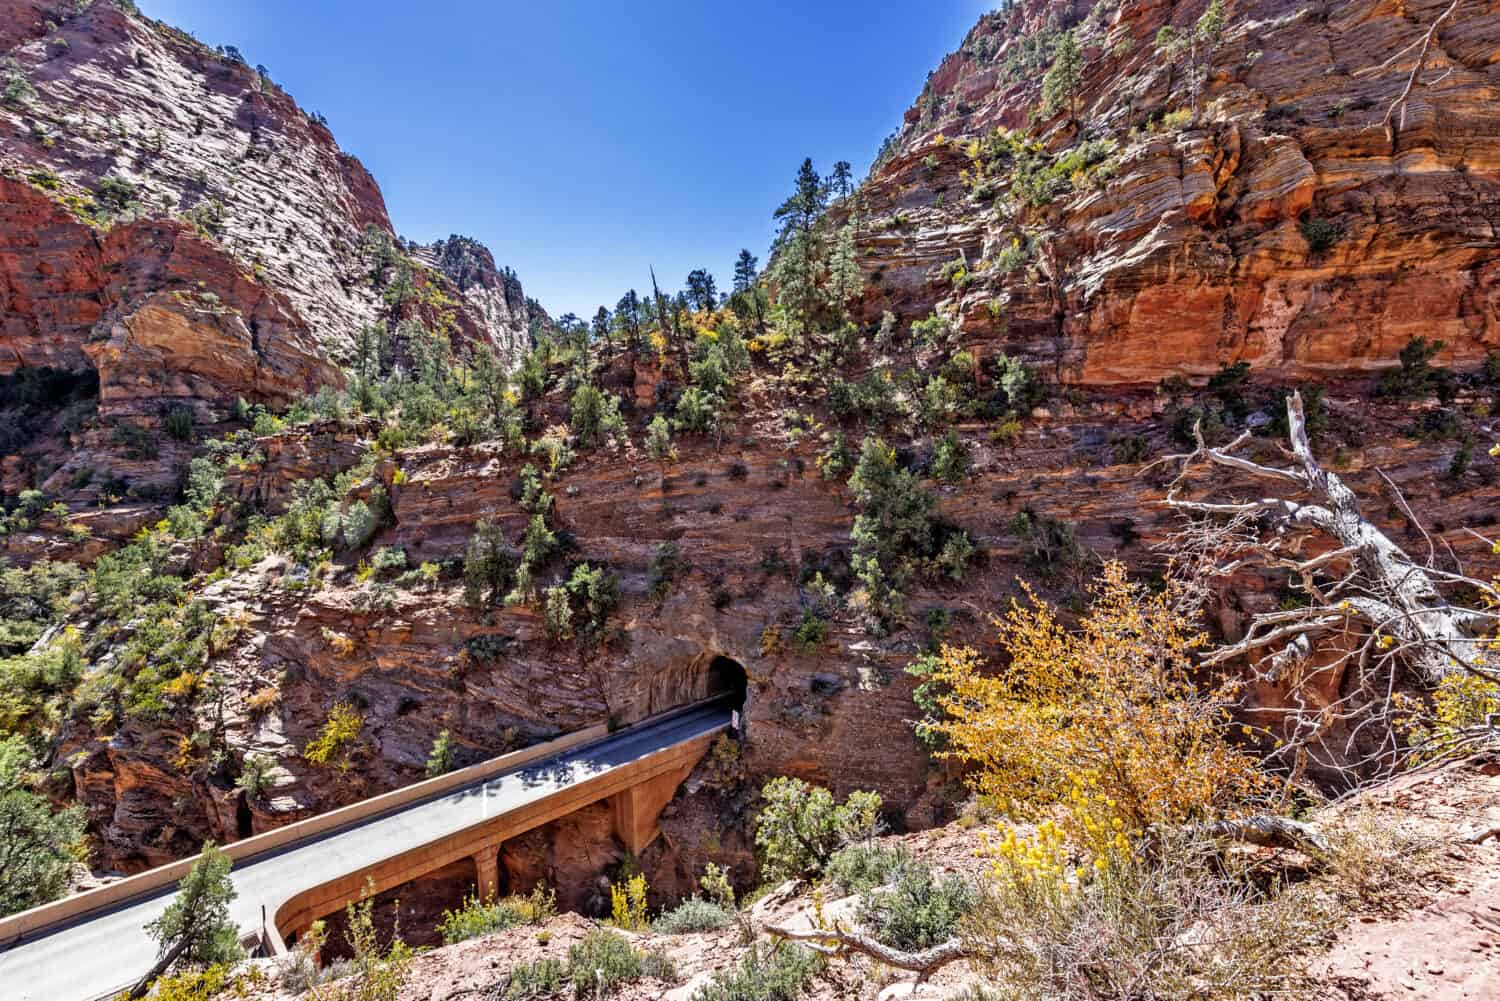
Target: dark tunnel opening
pixel 727 678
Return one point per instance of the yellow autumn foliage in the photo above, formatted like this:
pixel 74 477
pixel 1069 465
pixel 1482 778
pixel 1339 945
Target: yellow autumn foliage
pixel 1106 721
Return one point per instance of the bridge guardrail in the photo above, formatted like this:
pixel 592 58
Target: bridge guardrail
pixel 67 909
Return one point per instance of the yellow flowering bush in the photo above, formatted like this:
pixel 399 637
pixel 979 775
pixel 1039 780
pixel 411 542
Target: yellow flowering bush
pixel 1107 720
pixel 335 740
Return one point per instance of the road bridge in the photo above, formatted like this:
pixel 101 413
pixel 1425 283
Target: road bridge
pixel 94 944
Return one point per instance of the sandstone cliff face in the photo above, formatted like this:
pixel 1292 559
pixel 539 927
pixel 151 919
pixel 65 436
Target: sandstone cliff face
pixel 1192 253
pixel 141 164
pixel 1285 229
pixel 497 309
pixel 747 524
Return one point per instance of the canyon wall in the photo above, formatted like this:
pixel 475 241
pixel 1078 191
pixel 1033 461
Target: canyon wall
pixel 171 217
pixel 1285 228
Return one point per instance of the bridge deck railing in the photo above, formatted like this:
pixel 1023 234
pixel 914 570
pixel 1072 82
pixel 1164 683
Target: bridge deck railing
pixel 79 906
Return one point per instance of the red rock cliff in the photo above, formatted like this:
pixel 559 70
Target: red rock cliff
pixel 1284 229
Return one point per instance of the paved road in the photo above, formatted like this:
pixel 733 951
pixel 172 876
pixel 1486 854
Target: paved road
pixel 105 952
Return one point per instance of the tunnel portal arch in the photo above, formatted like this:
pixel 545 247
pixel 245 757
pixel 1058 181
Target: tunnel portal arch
pixel 727 678
pixel 689 681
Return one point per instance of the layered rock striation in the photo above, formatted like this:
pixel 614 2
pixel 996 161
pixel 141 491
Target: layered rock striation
pixel 1285 227
pixel 170 216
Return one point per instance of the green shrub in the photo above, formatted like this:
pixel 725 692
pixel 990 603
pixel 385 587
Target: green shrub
pixel 1130 449
pixel 137 442
pixel 337 738
pixel 1228 384
pixel 692 915
pixel 40 846
pixel 255 775
pixel 489 566
pixel 894 532
pixel 540 979
pixel 936 331
pixel 183 522
pixel 918 911
pixel 697 411
pixel 1314 413
pixel 766 973
pixel 950 459
pixel 601 961
pixel 812 631
pixel 1022 387
pixel 595 416
pixel 1418 377
pixel 659 441
pixel 357 524
pixel 33 598
pixel 179 424
pixel 801 826
pixel 1319 233
pixel 476 918
pixel 440 758
pixel 860 868
pixel 15 88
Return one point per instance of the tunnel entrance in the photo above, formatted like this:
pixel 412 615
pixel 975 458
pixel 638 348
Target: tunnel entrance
pixel 727 678
pixel 690 681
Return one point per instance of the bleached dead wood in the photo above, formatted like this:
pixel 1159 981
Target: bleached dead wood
pixel 1395 115
pixel 837 942
pixel 1372 615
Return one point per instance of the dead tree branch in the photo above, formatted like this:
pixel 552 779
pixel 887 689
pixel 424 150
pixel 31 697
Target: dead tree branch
pixel 1393 595
pixel 836 942
pixel 1365 615
pixel 1267 831
pixel 1395 115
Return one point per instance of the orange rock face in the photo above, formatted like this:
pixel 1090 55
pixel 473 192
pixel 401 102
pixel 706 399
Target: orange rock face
pixel 1285 229
pixel 143 168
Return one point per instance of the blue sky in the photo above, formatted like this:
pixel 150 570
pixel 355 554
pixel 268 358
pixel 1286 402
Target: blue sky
pixel 585 141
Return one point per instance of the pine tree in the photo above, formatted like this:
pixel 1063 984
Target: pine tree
pixel 747 292
pixel 666 315
pixel 490 384
pixel 659 440
pixel 601 326
pixel 802 210
pixel 1065 78
pixel 628 317
pixel 702 291
pixel 798 265
pixel 845 280
pixel 195 929
pixel 841 183
pixel 745 272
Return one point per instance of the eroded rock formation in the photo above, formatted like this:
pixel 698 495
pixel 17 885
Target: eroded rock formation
pixel 170 216
pixel 1283 228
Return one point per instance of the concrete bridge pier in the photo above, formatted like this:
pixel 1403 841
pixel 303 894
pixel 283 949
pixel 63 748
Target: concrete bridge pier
pixel 637 809
pixel 487 872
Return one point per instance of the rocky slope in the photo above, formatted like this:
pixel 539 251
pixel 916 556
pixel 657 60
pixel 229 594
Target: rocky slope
pixel 1285 229
pixel 173 219
pixel 1433 936
pixel 1181 250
